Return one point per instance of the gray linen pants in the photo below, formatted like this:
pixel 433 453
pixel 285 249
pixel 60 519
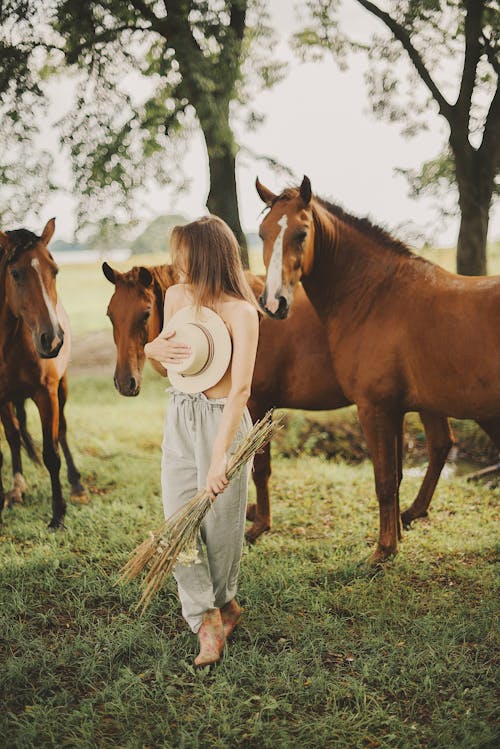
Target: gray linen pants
pixel 191 426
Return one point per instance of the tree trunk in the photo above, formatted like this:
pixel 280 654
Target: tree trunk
pixel 222 198
pixel 472 235
pixel 475 189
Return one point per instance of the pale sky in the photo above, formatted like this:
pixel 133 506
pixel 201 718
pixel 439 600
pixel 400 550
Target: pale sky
pixel 318 122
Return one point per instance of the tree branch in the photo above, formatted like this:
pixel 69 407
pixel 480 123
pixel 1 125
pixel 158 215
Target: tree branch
pixel 472 32
pixel 157 24
pixel 491 51
pixel 236 33
pixel 490 145
pixel 403 37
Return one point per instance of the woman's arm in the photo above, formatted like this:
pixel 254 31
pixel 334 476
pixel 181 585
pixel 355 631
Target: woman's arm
pixel 162 348
pixel 245 334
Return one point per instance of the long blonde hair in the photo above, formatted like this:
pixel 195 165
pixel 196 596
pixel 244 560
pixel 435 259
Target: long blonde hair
pixel 207 253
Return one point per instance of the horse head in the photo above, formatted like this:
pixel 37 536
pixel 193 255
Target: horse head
pixel 136 313
pixel 287 232
pixel 30 286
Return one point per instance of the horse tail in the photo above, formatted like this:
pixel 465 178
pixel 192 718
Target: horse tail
pixel 26 438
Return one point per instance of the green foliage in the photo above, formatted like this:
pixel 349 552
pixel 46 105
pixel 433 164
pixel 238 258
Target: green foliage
pixel 108 235
pixel 330 653
pixel 24 172
pixel 155 238
pixel 189 58
pixel 425 55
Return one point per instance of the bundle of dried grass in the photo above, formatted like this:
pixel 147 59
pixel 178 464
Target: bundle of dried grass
pixel 175 540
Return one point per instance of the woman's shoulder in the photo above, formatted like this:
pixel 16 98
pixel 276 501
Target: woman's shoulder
pixel 240 311
pixel 176 291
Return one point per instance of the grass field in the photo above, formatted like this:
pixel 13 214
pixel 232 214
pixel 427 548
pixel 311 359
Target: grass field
pixel 330 653
pixel 86 293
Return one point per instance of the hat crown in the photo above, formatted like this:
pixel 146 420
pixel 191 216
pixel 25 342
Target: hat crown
pixel 208 337
pixel 200 339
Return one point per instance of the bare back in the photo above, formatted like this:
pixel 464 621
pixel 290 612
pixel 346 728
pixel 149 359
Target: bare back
pixel 229 308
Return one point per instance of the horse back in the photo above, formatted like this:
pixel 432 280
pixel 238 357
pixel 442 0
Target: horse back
pixel 430 341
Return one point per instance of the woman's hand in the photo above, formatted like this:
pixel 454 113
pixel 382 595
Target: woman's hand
pixel 217 480
pixel 164 350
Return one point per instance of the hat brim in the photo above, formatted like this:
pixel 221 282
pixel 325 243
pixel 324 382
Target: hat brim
pixel 216 370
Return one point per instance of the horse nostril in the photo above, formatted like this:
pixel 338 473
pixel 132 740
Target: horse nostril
pixel 282 307
pixel 45 341
pixel 133 384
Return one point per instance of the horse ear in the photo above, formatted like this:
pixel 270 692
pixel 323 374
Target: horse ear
pixel 145 276
pixel 109 273
pixel 306 190
pixel 48 231
pixel 264 193
pixel 4 242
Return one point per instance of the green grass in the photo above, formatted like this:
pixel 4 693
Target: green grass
pixel 330 653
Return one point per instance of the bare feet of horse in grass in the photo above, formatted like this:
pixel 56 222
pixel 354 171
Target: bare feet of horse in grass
pixel 231 617
pixel 79 495
pixel 211 638
pixel 16 494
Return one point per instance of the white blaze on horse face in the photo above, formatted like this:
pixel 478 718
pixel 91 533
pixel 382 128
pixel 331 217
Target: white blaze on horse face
pixel 48 302
pixel 275 270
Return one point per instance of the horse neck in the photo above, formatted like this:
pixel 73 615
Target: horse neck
pixel 349 266
pixel 163 277
pixel 10 325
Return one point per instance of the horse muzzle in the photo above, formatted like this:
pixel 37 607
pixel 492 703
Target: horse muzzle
pixel 48 345
pixel 279 311
pixel 127 385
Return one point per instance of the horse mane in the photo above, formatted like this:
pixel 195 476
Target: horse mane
pixel 363 225
pixel 22 240
pixel 366 227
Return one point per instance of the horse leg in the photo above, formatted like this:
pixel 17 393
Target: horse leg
pixel 12 433
pixel 26 438
pixel 2 495
pixel 380 428
pixel 440 440
pixel 492 429
pixel 262 510
pixel 47 403
pixel 78 493
pixel 399 449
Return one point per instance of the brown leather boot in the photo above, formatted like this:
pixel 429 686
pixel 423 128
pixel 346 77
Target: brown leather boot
pixel 211 638
pixel 231 616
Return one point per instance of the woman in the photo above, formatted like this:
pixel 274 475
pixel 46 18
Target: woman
pixel 200 428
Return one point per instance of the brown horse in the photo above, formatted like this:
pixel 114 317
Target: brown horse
pixel 35 344
pixel 405 335
pixel 292 370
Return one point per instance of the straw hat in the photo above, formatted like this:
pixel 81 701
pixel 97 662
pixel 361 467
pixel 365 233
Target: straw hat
pixel 211 348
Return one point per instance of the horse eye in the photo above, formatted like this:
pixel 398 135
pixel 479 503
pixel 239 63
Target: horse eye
pixel 296 264
pixel 146 315
pixel 300 236
pixel 16 274
pixel 55 271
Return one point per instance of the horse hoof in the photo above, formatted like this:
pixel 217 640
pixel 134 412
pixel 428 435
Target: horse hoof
pixel 79 495
pixel 255 531
pixel 407 518
pixel 56 525
pixel 381 555
pixel 14 497
pixel 251 511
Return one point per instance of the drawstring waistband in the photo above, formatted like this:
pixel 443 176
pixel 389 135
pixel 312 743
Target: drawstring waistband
pixel 194 397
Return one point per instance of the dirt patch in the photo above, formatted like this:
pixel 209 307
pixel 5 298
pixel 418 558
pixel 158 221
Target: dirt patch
pixel 94 353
